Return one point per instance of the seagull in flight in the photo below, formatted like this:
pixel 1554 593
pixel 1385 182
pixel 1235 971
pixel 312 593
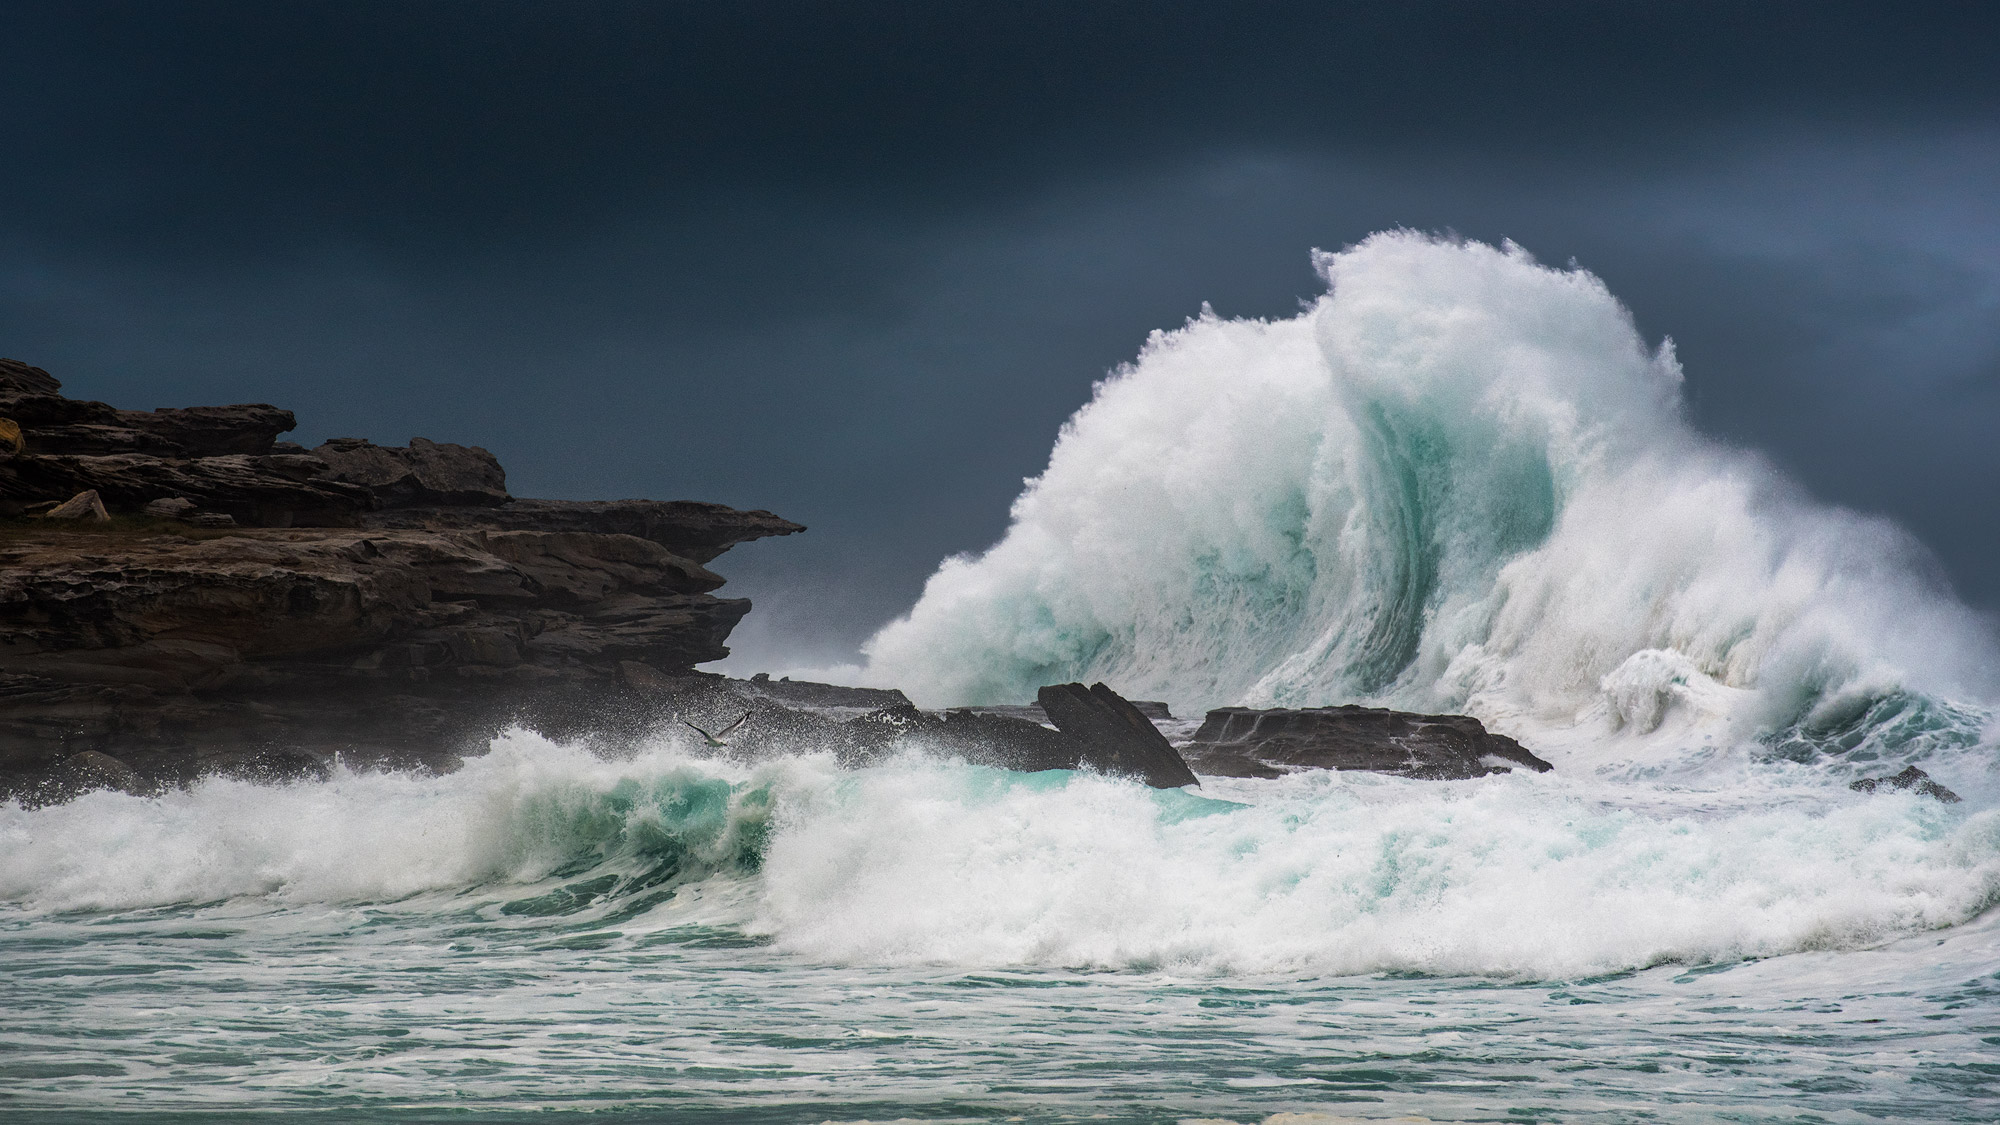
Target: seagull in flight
pixel 715 741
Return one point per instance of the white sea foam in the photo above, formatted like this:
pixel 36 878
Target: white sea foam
pixel 1459 481
pixel 917 861
pixel 514 815
pixel 1331 873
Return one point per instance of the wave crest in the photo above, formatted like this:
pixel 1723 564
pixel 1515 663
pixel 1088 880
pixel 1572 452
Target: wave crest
pixel 1460 480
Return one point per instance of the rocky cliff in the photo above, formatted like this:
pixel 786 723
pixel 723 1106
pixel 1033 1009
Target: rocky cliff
pixel 182 593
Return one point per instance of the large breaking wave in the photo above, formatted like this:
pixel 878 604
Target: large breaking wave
pixel 1458 481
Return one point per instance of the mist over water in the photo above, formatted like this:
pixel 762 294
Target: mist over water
pixel 1459 481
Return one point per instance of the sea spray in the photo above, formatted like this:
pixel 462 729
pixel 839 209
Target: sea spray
pixel 919 861
pixel 1326 873
pixel 1458 481
pixel 529 811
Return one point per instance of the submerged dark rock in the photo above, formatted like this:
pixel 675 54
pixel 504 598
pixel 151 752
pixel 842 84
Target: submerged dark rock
pixel 1246 742
pixel 1911 779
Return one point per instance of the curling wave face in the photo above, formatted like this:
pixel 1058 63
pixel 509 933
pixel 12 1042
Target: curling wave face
pixel 922 861
pixel 1460 481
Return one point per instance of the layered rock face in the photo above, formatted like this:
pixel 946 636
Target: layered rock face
pixel 250 606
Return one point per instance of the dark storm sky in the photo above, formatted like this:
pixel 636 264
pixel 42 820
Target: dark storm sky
pixel 856 262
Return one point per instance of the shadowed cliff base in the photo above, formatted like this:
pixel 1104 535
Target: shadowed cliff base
pixel 224 602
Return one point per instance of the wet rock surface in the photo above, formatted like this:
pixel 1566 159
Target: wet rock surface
pixel 1911 779
pixel 1117 737
pixel 1246 742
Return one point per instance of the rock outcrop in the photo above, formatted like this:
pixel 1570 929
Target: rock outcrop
pixel 423 473
pixel 1117 738
pixel 1245 742
pixel 1099 731
pixel 54 425
pixel 1911 779
pixel 260 609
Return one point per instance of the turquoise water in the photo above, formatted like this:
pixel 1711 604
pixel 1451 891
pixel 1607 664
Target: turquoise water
pixel 667 938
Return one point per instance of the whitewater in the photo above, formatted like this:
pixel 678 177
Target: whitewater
pixel 1458 481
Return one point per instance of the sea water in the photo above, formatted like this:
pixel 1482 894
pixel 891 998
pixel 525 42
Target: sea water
pixel 1459 481
pixel 670 936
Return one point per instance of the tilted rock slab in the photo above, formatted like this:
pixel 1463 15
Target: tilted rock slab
pixel 1117 738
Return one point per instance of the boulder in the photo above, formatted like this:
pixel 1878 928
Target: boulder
pixel 422 473
pixel 1911 779
pixel 96 770
pixel 1249 742
pixel 169 508
pixel 84 505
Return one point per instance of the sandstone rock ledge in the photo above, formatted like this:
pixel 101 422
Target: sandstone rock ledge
pixel 242 605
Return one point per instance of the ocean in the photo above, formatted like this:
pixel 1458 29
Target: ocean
pixel 1461 481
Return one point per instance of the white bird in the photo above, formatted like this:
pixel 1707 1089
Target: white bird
pixel 715 741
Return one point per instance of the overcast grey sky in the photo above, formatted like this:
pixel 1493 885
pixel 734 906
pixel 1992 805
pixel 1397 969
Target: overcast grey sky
pixel 855 263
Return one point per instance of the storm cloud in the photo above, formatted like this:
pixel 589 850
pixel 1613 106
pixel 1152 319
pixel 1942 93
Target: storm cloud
pixel 856 264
